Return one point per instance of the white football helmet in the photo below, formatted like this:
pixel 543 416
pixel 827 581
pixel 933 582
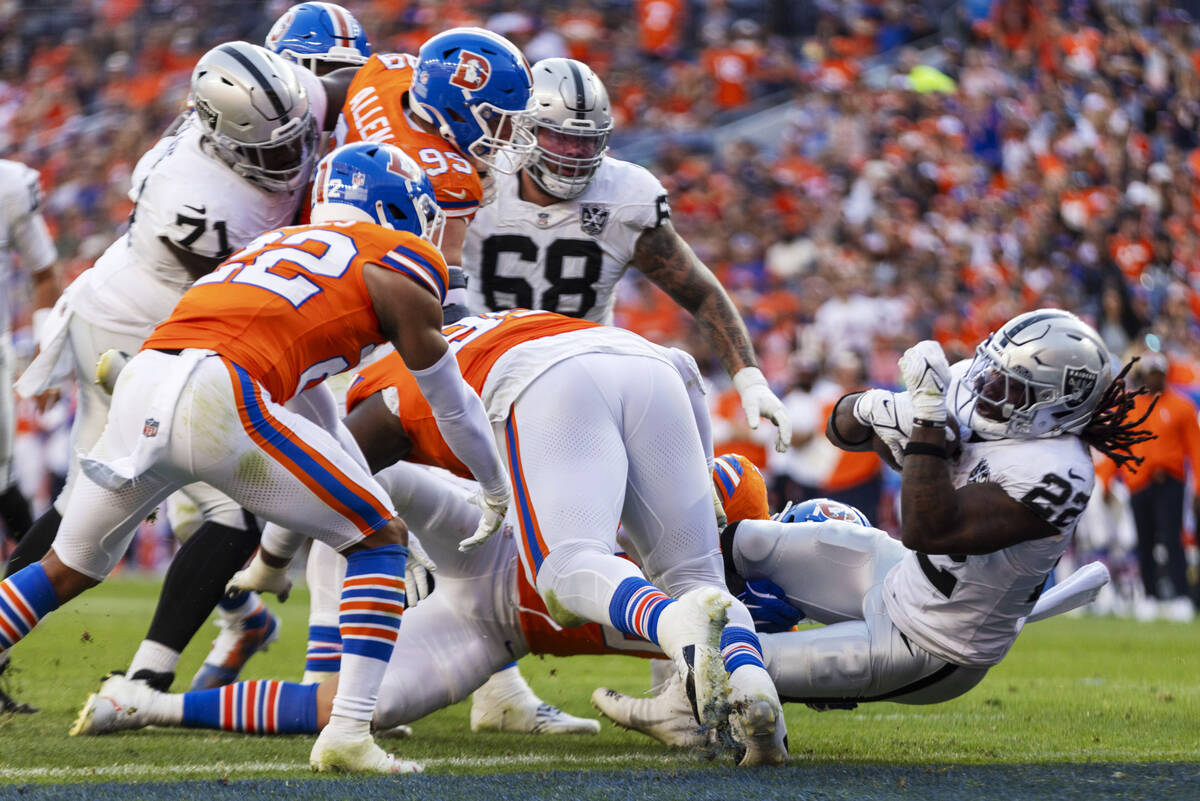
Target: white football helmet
pixel 571 115
pixel 255 115
pixel 1041 375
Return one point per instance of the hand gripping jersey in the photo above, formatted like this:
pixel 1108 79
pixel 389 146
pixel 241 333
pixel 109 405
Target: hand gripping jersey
pixel 22 230
pixel 565 257
pixel 968 610
pixel 292 308
pixel 375 111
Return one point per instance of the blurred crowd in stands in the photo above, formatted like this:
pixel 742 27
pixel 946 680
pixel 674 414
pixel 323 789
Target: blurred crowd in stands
pixel 930 169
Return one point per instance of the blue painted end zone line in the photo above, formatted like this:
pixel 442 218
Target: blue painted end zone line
pixel 874 782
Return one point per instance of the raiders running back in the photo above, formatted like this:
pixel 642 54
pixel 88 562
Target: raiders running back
pixel 565 257
pixel 968 610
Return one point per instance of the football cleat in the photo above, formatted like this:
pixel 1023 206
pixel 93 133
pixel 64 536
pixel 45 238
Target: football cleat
pixel 118 705
pixel 10 705
pixel 400 732
pixel 756 718
pixel 537 717
pixel 337 752
pixel 238 641
pixel 667 717
pixel 689 632
pixel 154 679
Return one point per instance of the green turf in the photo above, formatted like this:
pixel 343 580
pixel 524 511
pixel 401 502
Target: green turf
pixel 1073 690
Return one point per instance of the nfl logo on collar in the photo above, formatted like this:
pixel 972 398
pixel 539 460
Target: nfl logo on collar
pixel 150 427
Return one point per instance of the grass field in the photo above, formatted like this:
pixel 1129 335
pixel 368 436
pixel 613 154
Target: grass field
pixel 1082 708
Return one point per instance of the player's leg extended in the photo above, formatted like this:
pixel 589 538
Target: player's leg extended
pixel 87 343
pixel 862 660
pixel 668 515
pixel 826 568
pixel 98 524
pixel 295 473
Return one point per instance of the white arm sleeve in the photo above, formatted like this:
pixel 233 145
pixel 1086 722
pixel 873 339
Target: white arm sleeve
pixel 32 239
pixel 463 423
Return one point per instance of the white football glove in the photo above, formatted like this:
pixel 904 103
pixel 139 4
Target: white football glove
pixel 759 401
pixel 418 574
pixel 926 374
pixel 494 510
pixel 890 415
pixel 261 577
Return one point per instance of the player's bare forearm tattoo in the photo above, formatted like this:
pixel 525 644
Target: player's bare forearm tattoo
pixel 668 261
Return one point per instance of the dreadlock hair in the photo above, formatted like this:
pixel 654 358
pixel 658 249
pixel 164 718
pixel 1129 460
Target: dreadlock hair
pixel 1111 431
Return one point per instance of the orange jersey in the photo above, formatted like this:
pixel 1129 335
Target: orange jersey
pixel 292 308
pixel 375 112
pixel 478 342
pixel 544 636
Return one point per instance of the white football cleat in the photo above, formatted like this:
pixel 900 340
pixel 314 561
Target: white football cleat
pixel 334 751
pixel 667 717
pixel 118 705
pixel 399 732
pixel 756 717
pixel 689 632
pixel 522 717
pixel 506 702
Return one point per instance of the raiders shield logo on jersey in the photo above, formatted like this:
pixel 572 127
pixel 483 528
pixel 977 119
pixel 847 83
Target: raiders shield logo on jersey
pixel 980 473
pixel 1078 383
pixel 592 219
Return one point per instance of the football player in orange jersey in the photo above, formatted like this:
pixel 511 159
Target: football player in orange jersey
pixel 483 613
pixel 459 107
pixel 586 404
pixel 203 401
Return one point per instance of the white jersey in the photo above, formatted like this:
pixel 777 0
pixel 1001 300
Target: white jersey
pixel 184 194
pixel 22 230
pixel 968 610
pixel 566 257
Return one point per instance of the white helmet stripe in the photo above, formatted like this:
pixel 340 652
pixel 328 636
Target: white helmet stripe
pixel 341 25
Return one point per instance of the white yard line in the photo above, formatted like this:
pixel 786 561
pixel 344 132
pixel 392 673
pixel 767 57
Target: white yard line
pixel 142 770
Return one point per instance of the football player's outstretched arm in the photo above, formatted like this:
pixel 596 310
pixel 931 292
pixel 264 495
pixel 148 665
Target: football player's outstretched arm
pixel 411 318
pixel 663 257
pixel 978 518
pixel 668 261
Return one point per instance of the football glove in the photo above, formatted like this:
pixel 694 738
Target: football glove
pixel 759 401
pixel 418 574
pixel 258 576
pixel 494 510
pixel 890 415
pixel 769 607
pixel 926 375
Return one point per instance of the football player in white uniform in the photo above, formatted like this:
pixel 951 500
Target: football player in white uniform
pixel 561 232
pixel 982 525
pixel 22 231
pixel 235 165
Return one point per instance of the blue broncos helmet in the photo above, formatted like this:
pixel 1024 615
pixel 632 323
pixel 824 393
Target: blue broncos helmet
pixel 383 183
pixel 819 509
pixel 319 37
pixel 475 86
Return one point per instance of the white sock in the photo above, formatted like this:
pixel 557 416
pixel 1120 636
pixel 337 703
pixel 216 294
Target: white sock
pixel 154 656
pixel 351 728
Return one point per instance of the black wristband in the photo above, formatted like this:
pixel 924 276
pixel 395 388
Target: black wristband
pixel 924 449
pixel 833 425
pixel 923 423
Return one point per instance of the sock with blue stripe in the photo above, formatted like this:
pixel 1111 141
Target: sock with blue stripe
pixel 369 621
pixel 739 647
pixel 26 597
pixel 324 651
pixel 261 707
pixel 636 606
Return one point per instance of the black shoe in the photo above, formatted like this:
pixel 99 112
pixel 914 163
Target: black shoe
pixel 158 681
pixel 8 704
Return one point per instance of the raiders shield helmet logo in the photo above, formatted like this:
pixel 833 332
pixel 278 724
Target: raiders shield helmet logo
pixel 1078 383
pixel 472 73
pixel 592 219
